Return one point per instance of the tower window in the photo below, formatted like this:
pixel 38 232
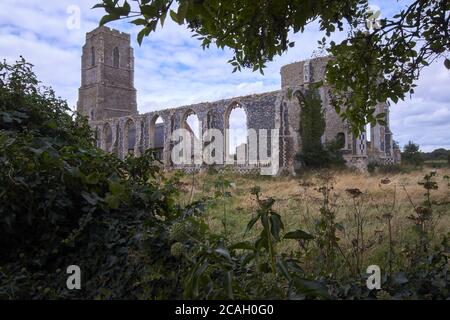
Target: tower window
pixel 116 57
pixel 340 140
pixel 306 72
pixel 92 56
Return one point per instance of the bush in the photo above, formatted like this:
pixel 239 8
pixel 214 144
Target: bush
pixel 64 202
pixel 411 154
pixel 374 167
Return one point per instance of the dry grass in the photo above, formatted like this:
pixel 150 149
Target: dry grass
pixel 298 201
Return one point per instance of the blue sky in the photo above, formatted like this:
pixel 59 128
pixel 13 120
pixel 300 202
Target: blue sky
pixel 172 70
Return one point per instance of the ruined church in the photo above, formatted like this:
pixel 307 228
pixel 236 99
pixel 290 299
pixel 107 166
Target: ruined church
pixel 107 96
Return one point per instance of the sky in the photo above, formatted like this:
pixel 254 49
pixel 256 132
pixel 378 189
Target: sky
pixel 171 69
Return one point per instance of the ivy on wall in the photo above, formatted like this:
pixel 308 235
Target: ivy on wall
pixel 313 152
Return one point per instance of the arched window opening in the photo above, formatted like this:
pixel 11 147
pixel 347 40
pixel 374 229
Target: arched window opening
pixel 116 57
pixel 306 72
pixel 97 135
pixel 340 140
pixel 210 120
pixel 157 137
pixel 368 132
pixel 173 121
pixel 92 56
pixel 192 124
pixel 369 135
pixel 237 134
pixel 130 130
pixel 108 137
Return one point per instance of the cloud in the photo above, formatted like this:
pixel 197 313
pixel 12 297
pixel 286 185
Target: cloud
pixel 171 69
pixel 425 118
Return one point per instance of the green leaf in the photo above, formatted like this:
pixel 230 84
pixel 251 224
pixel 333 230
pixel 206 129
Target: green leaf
pixel 197 274
pixel 298 235
pixel 112 201
pixel 276 225
pixel 223 252
pixel 245 245
pixel 311 288
pixel 447 63
pixel 139 22
pixel 108 18
pixel 92 178
pixel 229 284
pixel 98 5
pixel 149 11
pixel 91 198
pixel 125 10
pixel 174 16
pixel 116 188
pixel 251 223
pixel 144 32
pixel 182 11
pixel 281 265
pixel 163 18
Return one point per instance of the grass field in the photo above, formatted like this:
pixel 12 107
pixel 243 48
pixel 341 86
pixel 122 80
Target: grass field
pixel 362 205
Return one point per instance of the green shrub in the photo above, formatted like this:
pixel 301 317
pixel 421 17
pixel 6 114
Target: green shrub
pixel 411 154
pixel 65 202
pixel 371 167
pixel 313 153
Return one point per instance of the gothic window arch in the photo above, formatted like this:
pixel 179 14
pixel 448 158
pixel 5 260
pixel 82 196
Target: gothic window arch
pixel 92 56
pixel 130 136
pixel 306 72
pixel 191 122
pixel 157 136
pixel 340 140
pixel 108 137
pixel 236 136
pixel 116 57
pixel 209 120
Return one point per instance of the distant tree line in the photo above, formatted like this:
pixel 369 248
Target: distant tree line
pixel 413 156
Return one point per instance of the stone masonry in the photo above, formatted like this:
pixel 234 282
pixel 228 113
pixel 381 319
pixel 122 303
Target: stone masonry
pixel 108 98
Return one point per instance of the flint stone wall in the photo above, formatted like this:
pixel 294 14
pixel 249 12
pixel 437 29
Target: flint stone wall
pixel 107 96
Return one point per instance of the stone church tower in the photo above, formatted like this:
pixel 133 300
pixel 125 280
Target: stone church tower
pixel 107 96
pixel 107 73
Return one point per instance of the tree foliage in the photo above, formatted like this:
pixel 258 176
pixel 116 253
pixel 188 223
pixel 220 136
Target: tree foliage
pixel 314 153
pixel 379 60
pixel 65 202
pixel 412 155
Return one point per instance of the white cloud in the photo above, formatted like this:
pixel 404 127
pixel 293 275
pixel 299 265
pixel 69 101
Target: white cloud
pixel 425 118
pixel 172 70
